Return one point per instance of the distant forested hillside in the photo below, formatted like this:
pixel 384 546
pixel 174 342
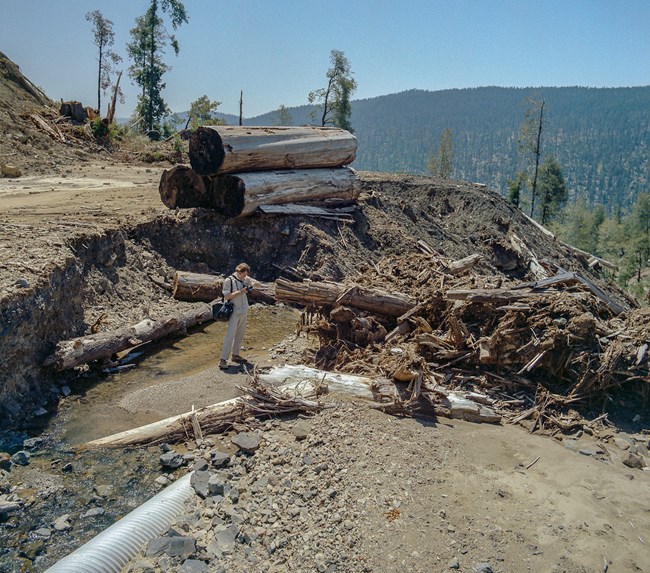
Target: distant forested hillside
pixel 600 136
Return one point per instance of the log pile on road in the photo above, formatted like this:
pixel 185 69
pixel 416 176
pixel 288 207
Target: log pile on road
pixel 237 170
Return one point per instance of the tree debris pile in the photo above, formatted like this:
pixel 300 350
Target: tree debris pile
pixel 534 351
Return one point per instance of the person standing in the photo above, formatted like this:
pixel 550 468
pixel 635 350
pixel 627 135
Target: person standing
pixel 235 289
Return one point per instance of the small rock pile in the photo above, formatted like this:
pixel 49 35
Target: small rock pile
pixel 278 504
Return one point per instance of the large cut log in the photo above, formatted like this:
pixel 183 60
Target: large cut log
pixel 241 194
pixel 232 149
pixel 196 287
pixel 310 293
pixel 103 345
pixel 182 187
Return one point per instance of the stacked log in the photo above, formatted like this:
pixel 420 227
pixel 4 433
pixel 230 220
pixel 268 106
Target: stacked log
pixel 234 169
pixel 235 149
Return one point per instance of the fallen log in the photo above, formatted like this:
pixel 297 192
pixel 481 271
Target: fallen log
pixel 103 345
pixel 233 149
pixel 311 293
pixel 295 387
pixel 279 391
pixel 198 287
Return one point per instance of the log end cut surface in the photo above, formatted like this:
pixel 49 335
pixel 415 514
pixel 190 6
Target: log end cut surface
pixel 206 151
pixel 181 187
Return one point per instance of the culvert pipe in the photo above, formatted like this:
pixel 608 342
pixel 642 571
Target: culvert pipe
pixel 112 549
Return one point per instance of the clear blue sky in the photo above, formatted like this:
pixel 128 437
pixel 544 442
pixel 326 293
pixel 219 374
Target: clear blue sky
pixel 277 51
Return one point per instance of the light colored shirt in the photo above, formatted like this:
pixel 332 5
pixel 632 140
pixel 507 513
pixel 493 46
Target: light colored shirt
pixel 231 285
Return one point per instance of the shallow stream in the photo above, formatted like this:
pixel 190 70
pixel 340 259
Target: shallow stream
pixel 162 380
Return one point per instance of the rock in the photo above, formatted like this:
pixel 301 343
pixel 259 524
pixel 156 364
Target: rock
pixel 482 568
pixel 220 459
pixel 216 485
pixel 175 546
pixel 5 461
pixel 21 458
pixel 200 465
pixel 171 460
pixel 93 512
pixel 632 460
pixel 32 549
pixel 199 481
pixel 181 546
pixel 622 443
pixel 65 391
pixel 248 442
pixel 301 429
pixel 62 523
pixel 32 443
pixel 43 532
pixel 8 506
pixel 68 468
pixel 39 412
pixel 104 490
pixel 8 170
pixel 193 566
pixel 225 536
pixel 162 480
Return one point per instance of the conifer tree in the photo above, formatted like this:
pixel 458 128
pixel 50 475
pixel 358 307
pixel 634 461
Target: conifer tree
pixel 149 39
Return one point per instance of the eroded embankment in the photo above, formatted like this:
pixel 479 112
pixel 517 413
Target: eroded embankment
pixel 113 278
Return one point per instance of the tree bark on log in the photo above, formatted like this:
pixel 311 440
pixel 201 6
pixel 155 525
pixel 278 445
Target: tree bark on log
pixel 310 293
pixel 241 194
pixel 197 287
pixel 232 149
pixel 103 345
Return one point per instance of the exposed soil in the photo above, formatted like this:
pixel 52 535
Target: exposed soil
pixel 83 235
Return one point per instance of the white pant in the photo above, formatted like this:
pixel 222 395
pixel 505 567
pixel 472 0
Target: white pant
pixel 234 335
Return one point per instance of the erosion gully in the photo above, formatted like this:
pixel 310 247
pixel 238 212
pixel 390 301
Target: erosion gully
pixel 96 488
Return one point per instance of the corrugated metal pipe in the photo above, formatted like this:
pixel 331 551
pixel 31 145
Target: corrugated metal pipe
pixel 112 549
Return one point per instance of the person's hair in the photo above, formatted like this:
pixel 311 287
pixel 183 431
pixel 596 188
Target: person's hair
pixel 242 267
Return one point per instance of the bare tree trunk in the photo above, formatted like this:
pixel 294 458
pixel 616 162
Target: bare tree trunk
pixel 111 111
pixel 537 157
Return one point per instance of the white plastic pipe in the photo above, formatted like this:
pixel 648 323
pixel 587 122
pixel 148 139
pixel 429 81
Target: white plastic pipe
pixel 112 549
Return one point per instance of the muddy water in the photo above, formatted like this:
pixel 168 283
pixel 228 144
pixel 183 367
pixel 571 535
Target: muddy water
pixel 166 379
pixel 169 378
